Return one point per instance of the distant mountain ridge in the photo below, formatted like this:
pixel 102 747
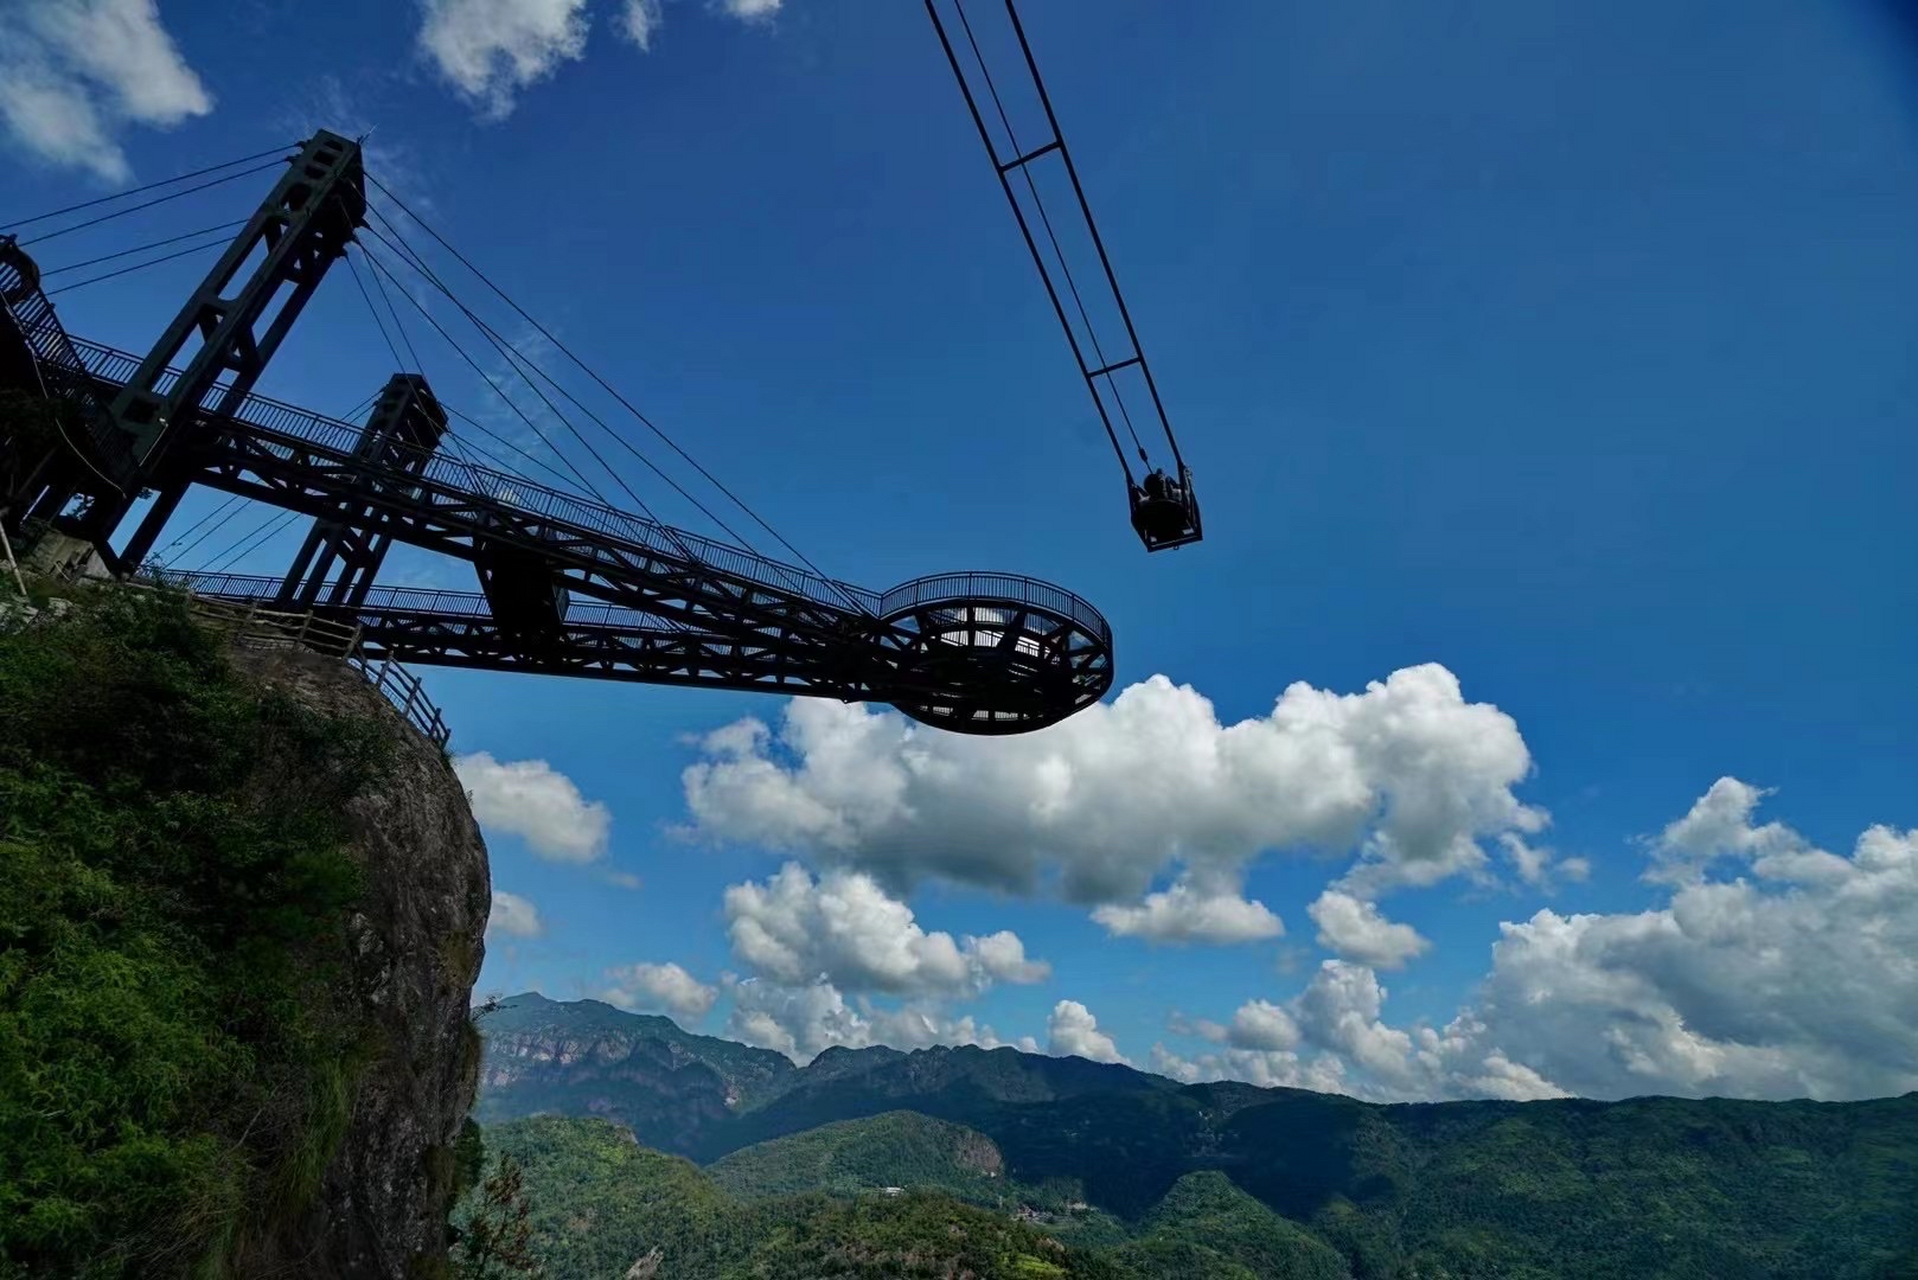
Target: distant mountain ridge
pixel 585 1057
pixel 1649 1186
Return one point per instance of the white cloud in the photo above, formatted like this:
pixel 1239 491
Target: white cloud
pixel 1540 867
pixel 1357 931
pixel 73 71
pixel 1072 1031
pixel 800 1020
pixel 1792 979
pixel 845 929
pixel 488 50
pixel 623 879
pixel 639 22
pixel 1260 1024
pixel 532 800
pixel 749 10
pixel 1407 773
pixel 513 916
pixel 666 987
pixel 1185 914
pixel 1717 826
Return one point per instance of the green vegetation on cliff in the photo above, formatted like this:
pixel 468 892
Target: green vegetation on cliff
pixel 174 1076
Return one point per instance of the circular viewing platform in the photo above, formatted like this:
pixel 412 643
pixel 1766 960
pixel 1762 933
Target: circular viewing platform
pixel 994 653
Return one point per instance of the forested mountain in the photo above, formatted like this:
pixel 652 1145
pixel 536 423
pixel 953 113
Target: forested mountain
pixel 1233 1179
pixel 582 1057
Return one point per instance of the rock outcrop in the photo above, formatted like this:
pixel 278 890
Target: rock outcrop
pixel 415 944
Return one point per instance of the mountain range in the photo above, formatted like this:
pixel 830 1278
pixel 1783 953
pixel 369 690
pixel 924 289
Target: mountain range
pixel 1133 1166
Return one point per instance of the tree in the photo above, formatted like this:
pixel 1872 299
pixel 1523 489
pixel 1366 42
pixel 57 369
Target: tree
pixel 497 1240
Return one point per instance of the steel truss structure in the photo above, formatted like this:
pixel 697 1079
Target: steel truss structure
pixel 570 586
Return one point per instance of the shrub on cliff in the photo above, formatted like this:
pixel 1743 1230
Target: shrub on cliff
pixel 174 1072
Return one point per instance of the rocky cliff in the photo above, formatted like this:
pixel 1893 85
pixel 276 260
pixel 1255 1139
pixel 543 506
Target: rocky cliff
pixel 242 908
pixel 415 942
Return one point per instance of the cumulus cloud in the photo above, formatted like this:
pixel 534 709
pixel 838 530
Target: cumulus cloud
pixel 639 21
pixel 532 800
pixel 1357 931
pixel 488 50
pixel 1792 978
pixel 1072 1031
pixel 845 929
pixel 664 987
pixel 801 1020
pixel 1408 773
pixel 513 917
pixel 1186 914
pixel 73 72
pixel 491 50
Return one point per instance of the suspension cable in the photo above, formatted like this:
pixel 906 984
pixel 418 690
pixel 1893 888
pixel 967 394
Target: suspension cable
pixel 202 520
pixel 188 548
pixel 164 182
pixel 138 266
pixel 514 357
pixel 1045 219
pixel 380 284
pixel 487 378
pixel 157 244
pixel 608 388
pixel 503 442
pixel 365 297
pixel 274 529
pixel 148 204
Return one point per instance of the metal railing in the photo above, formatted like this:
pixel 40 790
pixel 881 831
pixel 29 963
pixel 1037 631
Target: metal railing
pixel 404 690
pixel 58 362
pixel 995 588
pixel 258 625
pixel 113 366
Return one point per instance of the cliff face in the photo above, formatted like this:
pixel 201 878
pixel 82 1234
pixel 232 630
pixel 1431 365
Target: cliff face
pixel 415 943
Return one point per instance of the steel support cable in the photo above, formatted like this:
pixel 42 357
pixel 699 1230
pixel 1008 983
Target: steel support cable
pixel 508 353
pixel 515 358
pixel 512 355
pixel 157 244
pixel 1092 226
pixel 191 529
pixel 502 441
pixel 134 191
pixel 148 204
pixel 1045 220
pixel 138 266
pixel 355 411
pixel 380 284
pixel 648 423
pixel 487 378
pixel 367 298
pixel 188 548
pixel 574 431
pixel 1025 232
pixel 274 529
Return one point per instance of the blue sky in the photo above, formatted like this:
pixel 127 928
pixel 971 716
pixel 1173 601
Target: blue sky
pixel 1565 347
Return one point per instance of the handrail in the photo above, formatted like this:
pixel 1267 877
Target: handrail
pixel 253 624
pixel 114 366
